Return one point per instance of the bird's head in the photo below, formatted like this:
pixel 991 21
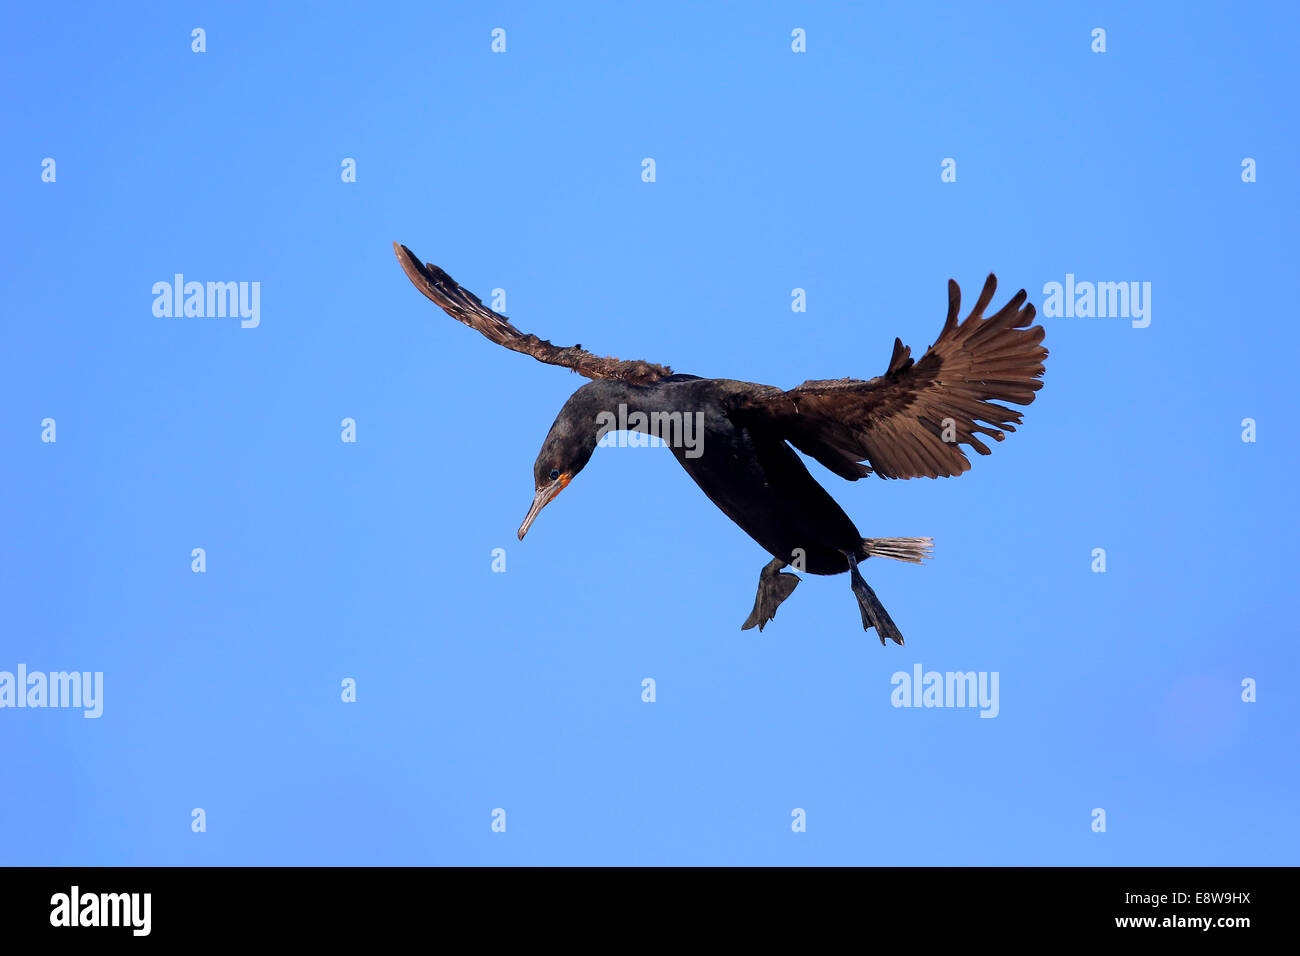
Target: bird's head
pixel 568 447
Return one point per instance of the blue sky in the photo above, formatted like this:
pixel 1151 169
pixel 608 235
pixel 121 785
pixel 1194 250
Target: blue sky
pixel 521 690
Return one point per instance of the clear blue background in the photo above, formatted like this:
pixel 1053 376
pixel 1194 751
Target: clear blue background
pixel 522 690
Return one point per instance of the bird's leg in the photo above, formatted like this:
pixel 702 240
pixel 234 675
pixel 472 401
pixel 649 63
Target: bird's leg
pixel 773 588
pixel 873 612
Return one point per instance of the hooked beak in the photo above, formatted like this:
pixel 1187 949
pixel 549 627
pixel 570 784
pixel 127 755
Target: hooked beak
pixel 541 500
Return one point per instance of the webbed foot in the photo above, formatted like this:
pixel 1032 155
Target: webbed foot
pixel 773 588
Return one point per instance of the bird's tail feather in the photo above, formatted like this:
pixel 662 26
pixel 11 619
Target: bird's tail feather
pixel 912 550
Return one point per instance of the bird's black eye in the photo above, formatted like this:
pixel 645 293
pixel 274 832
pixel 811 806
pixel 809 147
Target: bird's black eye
pixel 555 473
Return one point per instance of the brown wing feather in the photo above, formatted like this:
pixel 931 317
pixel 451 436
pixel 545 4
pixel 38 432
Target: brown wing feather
pixel 897 420
pixel 464 306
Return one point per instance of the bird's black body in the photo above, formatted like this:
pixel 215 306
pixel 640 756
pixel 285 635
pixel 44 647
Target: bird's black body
pixel 752 476
pixel 909 422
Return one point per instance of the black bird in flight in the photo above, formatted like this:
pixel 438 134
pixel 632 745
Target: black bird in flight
pixel 907 423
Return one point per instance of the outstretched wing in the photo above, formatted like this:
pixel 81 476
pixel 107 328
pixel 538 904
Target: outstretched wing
pixel 912 421
pixel 464 306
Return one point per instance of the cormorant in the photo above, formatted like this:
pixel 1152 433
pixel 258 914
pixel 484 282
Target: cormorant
pixel 909 422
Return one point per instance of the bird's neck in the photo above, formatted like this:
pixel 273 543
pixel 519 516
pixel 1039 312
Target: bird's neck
pixel 664 413
pixel 614 405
